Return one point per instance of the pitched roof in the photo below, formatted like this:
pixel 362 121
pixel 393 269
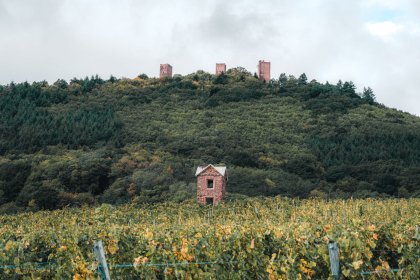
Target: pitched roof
pixel 220 169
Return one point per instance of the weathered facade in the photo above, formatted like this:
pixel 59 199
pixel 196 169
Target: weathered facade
pixel 220 68
pixel 165 70
pixel 264 71
pixel 211 184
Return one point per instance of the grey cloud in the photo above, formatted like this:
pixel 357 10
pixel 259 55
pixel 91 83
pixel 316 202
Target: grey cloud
pixel 225 27
pixel 326 39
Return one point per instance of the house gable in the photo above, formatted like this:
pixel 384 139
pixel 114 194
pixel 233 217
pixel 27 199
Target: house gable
pixel 212 169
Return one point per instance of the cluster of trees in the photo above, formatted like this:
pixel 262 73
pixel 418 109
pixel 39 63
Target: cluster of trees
pixel 140 140
pixel 28 124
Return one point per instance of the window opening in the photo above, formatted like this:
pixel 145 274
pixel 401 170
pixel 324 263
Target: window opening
pixel 209 184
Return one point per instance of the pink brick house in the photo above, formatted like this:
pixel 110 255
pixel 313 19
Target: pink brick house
pixel 211 184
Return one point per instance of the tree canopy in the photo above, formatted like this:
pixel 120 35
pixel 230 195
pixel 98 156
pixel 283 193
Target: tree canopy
pixel 139 140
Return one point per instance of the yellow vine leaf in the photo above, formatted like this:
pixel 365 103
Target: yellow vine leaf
pixel 357 264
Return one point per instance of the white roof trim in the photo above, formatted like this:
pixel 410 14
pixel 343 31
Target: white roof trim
pixel 220 169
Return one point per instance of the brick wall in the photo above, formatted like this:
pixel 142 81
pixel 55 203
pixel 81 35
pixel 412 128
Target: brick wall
pixel 220 67
pixel 219 186
pixel 165 70
pixel 264 71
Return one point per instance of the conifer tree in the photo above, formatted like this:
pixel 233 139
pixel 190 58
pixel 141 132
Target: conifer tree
pixel 368 96
pixel 303 80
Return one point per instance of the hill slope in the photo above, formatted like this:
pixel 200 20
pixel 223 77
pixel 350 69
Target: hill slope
pixel 120 140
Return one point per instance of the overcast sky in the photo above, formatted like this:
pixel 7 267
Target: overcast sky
pixel 373 43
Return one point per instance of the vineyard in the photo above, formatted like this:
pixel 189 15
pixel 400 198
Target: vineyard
pixel 270 238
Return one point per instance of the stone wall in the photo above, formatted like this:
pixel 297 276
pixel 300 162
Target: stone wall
pixel 219 186
pixel 165 70
pixel 264 71
pixel 220 67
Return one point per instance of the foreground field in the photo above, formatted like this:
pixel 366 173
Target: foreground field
pixel 277 238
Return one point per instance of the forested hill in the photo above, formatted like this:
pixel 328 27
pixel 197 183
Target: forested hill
pixel 140 140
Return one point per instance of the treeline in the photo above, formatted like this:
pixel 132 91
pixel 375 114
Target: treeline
pixel 139 140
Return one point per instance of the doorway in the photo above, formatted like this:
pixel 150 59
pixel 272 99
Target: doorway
pixel 209 200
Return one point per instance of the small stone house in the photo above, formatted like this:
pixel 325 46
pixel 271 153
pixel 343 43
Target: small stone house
pixel 211 184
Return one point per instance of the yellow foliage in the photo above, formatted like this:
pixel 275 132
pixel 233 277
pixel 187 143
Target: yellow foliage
pixel 299 230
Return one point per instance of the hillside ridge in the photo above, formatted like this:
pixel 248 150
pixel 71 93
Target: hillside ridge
pixel 140 140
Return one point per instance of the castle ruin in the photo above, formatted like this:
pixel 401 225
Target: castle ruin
pixel 264 71
pixel 220 68
pixel 165 70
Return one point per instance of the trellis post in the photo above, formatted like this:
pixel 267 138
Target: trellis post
pixel 100 257
pixel 334 262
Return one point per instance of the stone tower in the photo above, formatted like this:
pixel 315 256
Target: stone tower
pixel 220 68
pixel 211 184
pixel 264 71
pixel 165 70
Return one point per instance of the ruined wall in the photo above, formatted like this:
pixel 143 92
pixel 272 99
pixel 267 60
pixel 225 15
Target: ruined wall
pixel 264 71
pixel 219 186
pixel 220 67
pixel 165 70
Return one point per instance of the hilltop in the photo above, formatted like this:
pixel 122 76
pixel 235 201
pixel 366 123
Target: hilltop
pixel 140 140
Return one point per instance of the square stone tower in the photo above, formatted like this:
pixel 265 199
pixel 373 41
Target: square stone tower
pixel 264 71
pixel 165 70
pixel 211 184
pixel 220 68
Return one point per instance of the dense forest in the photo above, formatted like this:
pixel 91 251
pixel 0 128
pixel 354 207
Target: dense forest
pixel 140 140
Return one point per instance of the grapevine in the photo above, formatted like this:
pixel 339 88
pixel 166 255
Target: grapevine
pixel 256 238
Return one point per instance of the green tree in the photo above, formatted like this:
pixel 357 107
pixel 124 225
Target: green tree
pixel 349 89
pixel 112 79
pixel 302 80
pixel 403 193
pixel 339 85
pixel 46 197
pixel 239 70
pixel 143 76
pixel 282 79
pixel 222 79
pixel 368 96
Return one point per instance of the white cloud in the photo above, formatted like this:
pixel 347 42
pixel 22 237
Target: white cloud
pixel 385 29
pixel 414 29
pixel 390 4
